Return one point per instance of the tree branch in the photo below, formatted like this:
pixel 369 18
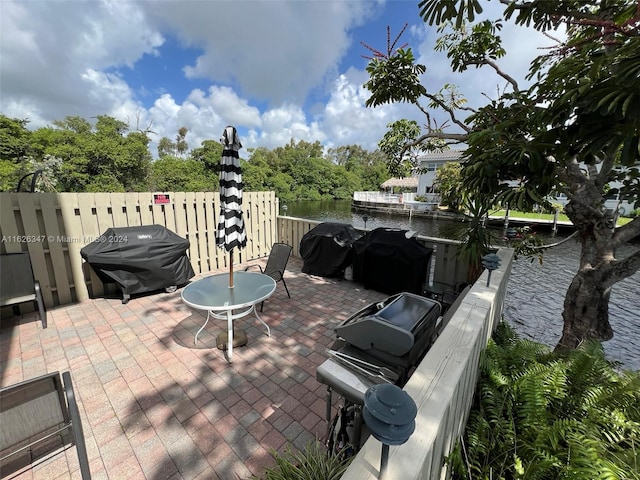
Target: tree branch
pixel 627 267
pixel 457 137
pixel 499 71
pixel 605 169
pixel 627 232
pixel 450 111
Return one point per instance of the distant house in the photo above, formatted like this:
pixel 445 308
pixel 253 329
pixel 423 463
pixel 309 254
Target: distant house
pixel 430 163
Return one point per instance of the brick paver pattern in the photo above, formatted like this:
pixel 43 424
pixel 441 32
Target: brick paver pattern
pixel 155 406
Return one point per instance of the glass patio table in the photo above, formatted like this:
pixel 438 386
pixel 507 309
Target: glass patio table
pixel 214 295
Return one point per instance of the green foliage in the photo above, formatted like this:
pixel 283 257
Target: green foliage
pixel 401 161
pixel 394 79
pixel 301 171
pixel 476 239
pixel 314 463
pixel 435 12
pixel 105 157
pixel 449 184
pixel 209 153
pixel 543 415
pixel 472 46
pixel 15 139
pixel 77 156
pixel 566 132
pixel 171 174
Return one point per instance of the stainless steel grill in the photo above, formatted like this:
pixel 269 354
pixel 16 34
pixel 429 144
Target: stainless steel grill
pixel 381 343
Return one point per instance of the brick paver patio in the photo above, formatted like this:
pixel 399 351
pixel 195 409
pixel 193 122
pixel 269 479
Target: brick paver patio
pixel 155 406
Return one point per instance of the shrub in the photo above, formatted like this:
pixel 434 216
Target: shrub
pixel 314 463
pixel 544 415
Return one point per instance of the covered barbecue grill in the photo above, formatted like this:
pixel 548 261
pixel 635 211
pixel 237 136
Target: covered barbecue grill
pixel 390 261
pixel 326 249
pixel 382 343
pixel 140 259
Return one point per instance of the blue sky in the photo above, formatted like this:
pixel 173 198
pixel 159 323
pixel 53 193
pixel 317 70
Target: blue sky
pixel 276 69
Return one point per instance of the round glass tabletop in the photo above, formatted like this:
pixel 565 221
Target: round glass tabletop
pixel 213 292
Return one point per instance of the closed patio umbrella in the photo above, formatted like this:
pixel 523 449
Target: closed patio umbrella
pixel 230 233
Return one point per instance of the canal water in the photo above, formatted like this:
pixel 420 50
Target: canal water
pixel 535 293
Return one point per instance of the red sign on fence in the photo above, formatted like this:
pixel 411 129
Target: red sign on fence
pixel 161 198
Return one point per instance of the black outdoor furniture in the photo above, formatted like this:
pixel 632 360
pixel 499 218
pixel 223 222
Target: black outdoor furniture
pixel 140 259
pixel 326 249
pixel 390 261
pixel 18 285
pixel 276 265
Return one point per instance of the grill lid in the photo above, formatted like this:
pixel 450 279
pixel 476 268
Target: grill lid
pixel 393 326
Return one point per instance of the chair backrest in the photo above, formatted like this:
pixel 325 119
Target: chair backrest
pixel 277 261
pixel 38 417
pixel 17 283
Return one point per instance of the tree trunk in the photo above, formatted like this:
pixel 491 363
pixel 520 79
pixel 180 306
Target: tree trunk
pixel 586 304
pixel 586 309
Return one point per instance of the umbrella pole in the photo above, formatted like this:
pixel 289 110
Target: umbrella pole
pixel 231 269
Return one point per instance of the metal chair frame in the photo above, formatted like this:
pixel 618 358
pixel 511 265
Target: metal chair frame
pixel 276 264
pixel 18 284
pixel 35 416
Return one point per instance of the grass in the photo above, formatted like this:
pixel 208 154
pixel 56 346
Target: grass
pixel 546 216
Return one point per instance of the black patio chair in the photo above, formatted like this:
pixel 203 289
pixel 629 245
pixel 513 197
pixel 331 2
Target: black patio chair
pixel 39 418
pixel 276 264
pixel 18 285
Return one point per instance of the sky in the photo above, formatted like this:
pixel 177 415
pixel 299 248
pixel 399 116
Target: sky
pixel 275 69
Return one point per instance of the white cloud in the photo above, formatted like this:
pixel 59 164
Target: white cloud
pixel 54 53
pixel 275 51
pixel 74 57
pixel 259 61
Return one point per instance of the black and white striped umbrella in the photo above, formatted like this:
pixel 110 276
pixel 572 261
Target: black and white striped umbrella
pixel 231 232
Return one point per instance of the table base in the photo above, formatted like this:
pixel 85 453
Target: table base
pixel 230 316
pixel 238 337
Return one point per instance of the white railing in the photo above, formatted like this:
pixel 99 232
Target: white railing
pixel 406 201
pixel 380 197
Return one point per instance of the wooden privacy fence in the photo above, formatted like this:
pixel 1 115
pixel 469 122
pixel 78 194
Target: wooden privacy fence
pixel 53 227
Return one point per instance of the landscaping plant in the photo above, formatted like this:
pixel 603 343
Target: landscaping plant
pixel 544 415
pixel 314 463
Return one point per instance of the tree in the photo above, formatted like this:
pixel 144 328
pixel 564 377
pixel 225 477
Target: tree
pixel 181 143
pixel 209 153
pixel 449 184
pixel 15 147
pixel 166 148
pixel 577 122
pixel 172 174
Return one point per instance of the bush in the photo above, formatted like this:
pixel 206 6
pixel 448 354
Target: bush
pixel 635 213
pixel 314 463
pixel 544 415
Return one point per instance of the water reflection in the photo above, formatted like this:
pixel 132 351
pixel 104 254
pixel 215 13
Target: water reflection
pixel 535 292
